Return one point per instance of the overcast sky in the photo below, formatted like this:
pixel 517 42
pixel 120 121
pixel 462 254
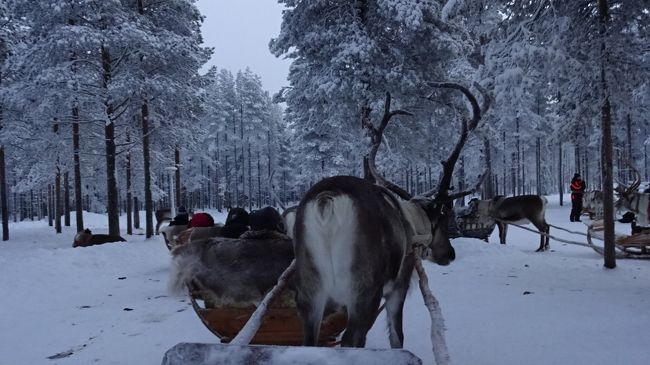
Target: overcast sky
pixel 240 32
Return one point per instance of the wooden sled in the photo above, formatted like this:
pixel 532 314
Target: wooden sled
pixel 636 246
pixel 475 226
pixel 225 317
pixel 280 326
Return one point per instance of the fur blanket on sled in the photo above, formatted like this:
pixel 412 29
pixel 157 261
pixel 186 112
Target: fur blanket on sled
pixel 231 272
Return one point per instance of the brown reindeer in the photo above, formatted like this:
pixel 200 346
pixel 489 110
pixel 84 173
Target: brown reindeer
pixel 354 242
pixel 514 209
pixel 86 238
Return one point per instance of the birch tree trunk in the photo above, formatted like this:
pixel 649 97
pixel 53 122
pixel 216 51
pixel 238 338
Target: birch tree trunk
pixel 148 200
pixel 66 199
pixel 517 161
pixel 136 213
pixel 259 180
pixel 514 173
pixel 3 183
pixel 57 201
pixel 559 174
pixel 177 177
pixel 629 158
pixel 129 207
pixel 109 134
pixel 505 166
pixel 250 178
pixel 606 143
pixel 488 185
pixel 78 195
pixel 50 206
pixel 3 195
pixel 538 166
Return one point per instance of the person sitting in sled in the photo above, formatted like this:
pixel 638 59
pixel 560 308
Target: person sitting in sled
pixel 182 218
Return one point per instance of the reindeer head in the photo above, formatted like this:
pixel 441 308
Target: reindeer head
pixel 439 246
pixel 628 195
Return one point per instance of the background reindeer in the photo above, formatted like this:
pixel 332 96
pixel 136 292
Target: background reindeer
pixel 631 200
pixel 593 204
pixel 162 216
pixel 86 238
pixel 354 241
pixel 515 209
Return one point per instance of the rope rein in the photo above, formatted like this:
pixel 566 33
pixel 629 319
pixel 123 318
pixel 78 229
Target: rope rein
pixel 551 236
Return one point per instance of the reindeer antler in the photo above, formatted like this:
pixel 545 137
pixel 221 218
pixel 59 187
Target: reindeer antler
pixel 622 188
pixel 474 189
pixel 376 134
pixel 637 179
pixel 442 192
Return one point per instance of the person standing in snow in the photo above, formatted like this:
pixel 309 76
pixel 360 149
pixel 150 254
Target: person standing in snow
pixel 577 190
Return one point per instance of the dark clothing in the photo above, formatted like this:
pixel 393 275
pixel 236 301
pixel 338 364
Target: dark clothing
pixel 577 191
pixel 181 219
pixel 233 230
pixel 266 219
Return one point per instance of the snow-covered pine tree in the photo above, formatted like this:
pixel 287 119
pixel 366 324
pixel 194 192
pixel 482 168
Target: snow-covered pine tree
pixel 347 54
pixel 243 136
pixel 168 59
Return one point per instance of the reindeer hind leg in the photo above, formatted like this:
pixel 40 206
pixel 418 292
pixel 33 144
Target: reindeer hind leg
pixel 548 238
pixel 503 230
pixel 543 229
pixel 395 304
pixel 361 316
pixel 311 305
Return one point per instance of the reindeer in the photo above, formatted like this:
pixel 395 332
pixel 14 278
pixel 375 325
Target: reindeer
pixel 593 204
pixel 162 216
pixel 86 238
pixel 631 200
pixel 514 209
pixel 355 242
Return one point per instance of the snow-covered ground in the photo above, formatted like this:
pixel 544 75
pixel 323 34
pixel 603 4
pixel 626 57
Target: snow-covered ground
pixel 502 304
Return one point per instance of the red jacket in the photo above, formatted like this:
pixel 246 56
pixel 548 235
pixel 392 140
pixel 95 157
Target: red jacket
pixel 577 188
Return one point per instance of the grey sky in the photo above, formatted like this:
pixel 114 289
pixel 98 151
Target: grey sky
pixel 240 31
